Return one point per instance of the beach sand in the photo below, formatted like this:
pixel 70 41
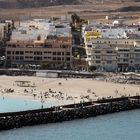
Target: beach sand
pixel 63 90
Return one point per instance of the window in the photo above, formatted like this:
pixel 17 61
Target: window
pixel 137 55
pixel 68 58
pixel 123 50
pixel 89 46
pixel 8 57
pixel 98 57
pixel 59 58
pixel 54 58
pixel 21 52
pixel 126 55
pixel 47 52
pixel 28 57
pixel 58 53
pixel 138 50
pixel 68 53
pixel 65 46
pixel 21 58
pixel 17 52
pixel 97 62
pixel 109 62
pixel 125 60
pixel 48 46
pixel 109 51
pixel 54 53
pixel 47 57
pixel 13 46
pixel 37 53
pixel 8 52
pixel 17 57
pixel 97 52
pixel 37 58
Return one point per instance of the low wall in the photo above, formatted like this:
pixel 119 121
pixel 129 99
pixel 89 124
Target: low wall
pixel 67 112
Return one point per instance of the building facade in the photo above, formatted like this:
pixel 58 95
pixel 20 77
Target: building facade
pixel 40 42
pixel 53 54
pixel 112 49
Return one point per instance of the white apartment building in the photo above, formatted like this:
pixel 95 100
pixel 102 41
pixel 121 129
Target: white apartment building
pixel 112 52
pixel 5 28
pixel 2 30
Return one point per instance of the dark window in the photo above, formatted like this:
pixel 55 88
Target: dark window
pixel 65 46
pixel 54 53
pixel 8 57
pixel 123 50
pixel 17 52
pixel 98 57
pixel 97 51
pixel 59 58
pixel 54 58
pixel 37 58
pixel 137 50
pixel 58 53
pixel 89 46
pixel 13 46
pixel 17 58
pixel 47 57
pixel 21 57
pixel 68 58
pixel 37 53
pixel 98 61
pixel 109 62
pixel 8 52
pixel 109 51
pixel 48 46
pixel 125 60
pixel 68 53
pixel 21 52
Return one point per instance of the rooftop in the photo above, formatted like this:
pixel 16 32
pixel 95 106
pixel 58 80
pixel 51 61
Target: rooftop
pixel 32 29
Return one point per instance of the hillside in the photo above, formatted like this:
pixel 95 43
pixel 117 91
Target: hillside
pixel 86 9
pixel 6 4
pixel 34 3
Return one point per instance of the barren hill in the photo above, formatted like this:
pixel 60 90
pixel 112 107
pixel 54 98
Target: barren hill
pixel 87 9
pixel 34 3
pixel 44 3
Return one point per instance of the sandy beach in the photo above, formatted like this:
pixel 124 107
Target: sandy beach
pixel 62 90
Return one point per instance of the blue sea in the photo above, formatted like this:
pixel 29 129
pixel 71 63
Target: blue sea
pixel 118 126
pixel 12 105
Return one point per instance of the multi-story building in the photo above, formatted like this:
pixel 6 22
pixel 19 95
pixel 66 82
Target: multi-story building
pixel 113 52
pixel 52 49
pixel 6 28
pixel 2 30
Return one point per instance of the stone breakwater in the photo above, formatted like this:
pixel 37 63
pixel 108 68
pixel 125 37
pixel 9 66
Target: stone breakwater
pixel 67 112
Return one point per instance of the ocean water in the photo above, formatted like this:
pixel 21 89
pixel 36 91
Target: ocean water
pixel 10 104
pixel 118 126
